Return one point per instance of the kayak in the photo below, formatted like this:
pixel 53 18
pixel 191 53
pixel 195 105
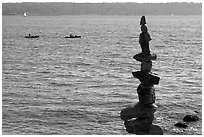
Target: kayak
pixel 73 36
pixel 31 36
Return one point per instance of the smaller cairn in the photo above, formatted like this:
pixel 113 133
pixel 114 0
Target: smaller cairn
pixel 186 119
pixel 181 124
pixel 138 118
pixel 190 118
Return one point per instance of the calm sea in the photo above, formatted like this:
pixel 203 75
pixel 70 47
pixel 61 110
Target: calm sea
pixel 53 85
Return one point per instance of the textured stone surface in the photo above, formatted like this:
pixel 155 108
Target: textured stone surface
pixel 155 130
pixel 146 94
pixel 142 124
pixel 143 127
pixel 138 110
pixel 140 57
pixel 181 124
pixel 146 78
pixel 139 125
pixel 189 118
pixel 146 66
pixel 142 20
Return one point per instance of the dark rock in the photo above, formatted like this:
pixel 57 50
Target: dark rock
pixel 138 110
pixel 181 124
pixel 142 20
pixel 128 126
pixel 146 66
pixel 140 57
pixel 146 94
pixel 139 127
pixel 155 130
pixel 196 111
pixel 146 78
pixel 142 125
pixel 189 118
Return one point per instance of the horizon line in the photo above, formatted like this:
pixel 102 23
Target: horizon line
pixel 104 2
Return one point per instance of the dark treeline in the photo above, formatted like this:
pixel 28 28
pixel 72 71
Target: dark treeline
pixel 60 8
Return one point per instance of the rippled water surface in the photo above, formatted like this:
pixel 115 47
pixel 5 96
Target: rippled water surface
pixel 53 85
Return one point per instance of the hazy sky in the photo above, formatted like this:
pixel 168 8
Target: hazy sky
pixel 97 1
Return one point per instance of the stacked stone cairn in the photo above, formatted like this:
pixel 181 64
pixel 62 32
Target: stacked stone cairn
pixel 138 118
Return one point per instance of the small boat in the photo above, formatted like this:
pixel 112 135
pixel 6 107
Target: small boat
pixel 72 36
pixel 29 36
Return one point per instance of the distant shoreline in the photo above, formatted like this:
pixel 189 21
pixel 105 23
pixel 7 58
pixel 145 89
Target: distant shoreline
pixel 130 8
pixel 98 15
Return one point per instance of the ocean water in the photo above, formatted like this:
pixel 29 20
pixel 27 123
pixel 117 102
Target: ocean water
pixel 53 85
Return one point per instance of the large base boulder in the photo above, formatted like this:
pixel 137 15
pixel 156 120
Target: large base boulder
pixel 139 125
pixel 138 110
pixel 142 127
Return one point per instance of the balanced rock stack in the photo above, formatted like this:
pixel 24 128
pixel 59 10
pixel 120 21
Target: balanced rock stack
pixel 138 118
